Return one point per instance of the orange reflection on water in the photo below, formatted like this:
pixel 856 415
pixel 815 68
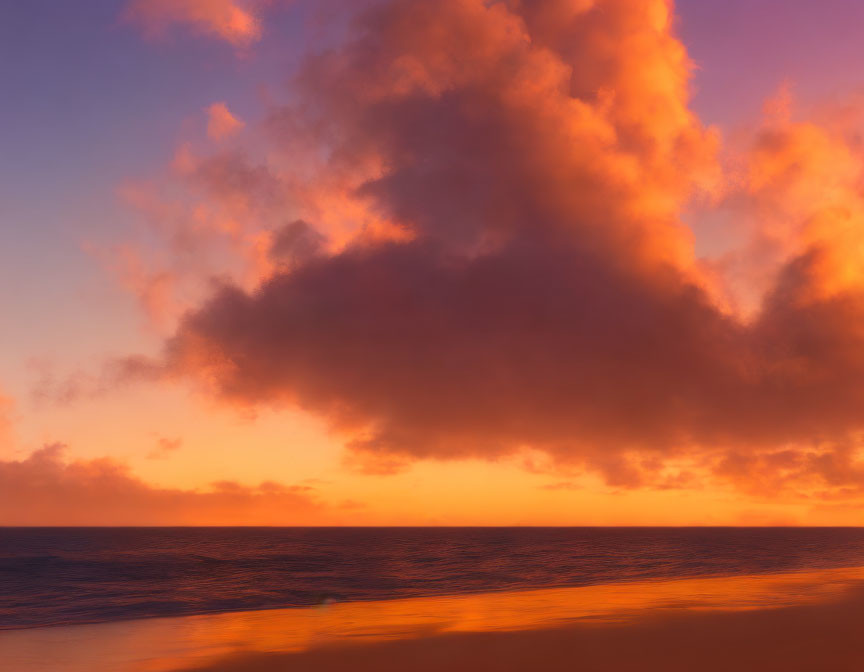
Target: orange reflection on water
pixel 162 644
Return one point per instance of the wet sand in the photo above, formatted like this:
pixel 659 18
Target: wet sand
pixel 818 639
pixel 789 622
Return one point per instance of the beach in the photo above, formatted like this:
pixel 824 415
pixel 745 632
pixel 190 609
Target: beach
pixel 813 638
pixel 792 621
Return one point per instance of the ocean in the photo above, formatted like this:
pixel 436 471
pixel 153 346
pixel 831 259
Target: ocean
pixel 54 576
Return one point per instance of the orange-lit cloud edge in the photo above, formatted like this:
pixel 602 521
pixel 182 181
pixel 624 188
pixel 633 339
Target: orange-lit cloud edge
pixel 474 248
pixel 228 20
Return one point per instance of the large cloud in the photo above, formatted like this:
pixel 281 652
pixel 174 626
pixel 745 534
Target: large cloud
pixel 529 282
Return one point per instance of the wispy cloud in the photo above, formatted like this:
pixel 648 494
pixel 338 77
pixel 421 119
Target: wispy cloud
pixel 164 448
pixel 221 123
pixel 229 20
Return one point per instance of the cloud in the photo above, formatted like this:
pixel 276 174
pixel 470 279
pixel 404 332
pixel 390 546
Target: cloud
pixel 7 406
pixel 229 20
pixel 154 289
pixel 221 123
pixel 542 225
pixel 164 448
pixel 486 254
pixel 47 489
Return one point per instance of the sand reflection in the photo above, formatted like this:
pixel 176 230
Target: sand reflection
pixel 159 645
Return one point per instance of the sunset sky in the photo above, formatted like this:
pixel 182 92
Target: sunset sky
pixel 432 262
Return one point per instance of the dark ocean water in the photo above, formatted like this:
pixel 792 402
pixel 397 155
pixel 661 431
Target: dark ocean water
pixel 79 575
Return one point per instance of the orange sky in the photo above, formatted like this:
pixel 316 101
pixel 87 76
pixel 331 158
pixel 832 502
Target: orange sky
pixel 455 273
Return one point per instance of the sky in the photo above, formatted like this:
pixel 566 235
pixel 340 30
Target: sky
pixel 393 262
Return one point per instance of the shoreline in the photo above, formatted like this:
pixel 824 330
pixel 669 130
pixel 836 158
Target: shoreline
pixel 272 637
pixel 432 596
